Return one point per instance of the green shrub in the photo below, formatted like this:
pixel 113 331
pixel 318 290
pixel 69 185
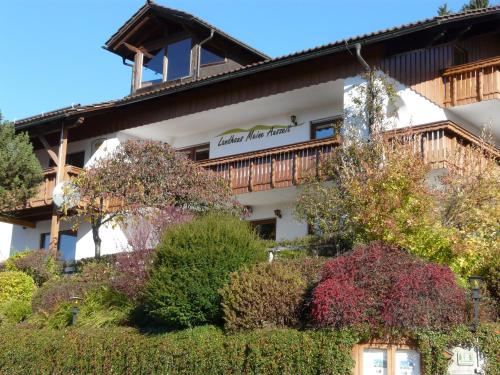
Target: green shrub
pixel 202 350
pixel 59 290
pixel 207 350
pixel 39 264
pixel 192 263
pixel 14 311
pixel 16 285
pixel 266 295
pixel 8 264
pixel 104 307
pixel 270 294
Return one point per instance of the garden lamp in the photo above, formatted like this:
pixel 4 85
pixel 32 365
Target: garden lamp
pixel 475 283
pixel 75 309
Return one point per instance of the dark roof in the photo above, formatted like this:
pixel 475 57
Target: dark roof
pixel 150 5
pixel 270 63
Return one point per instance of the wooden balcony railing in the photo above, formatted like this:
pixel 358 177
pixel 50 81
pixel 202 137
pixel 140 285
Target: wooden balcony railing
pixel 473 82
pixel 272 168
pixel 441 144
pixel 44 196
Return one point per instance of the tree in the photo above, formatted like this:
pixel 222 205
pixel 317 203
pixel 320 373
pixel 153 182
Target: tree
pixel 471 205
pixel 443 10
pixel 138 179
pixel 475 4
pixel 20 170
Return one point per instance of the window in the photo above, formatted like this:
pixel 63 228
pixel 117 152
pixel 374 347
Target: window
pixel 459 55
pixel 153 71
pixel 179 59
pixel 66 244
pixel 209 56
pixel 76 159
pixel 265 229
pixel 326 128
pixel 197 153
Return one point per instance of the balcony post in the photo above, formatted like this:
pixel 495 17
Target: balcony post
pixel 60 176
pixel 250 177
pixel 273 173
pixel 480 85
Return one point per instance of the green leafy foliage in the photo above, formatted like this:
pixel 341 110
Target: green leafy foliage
pixel 156 177
pixel 20 170
pixel 192 263
pixel 58 291
pixel 16 285
pixel 39 264
pixel 14 311
pixel 202 350
pixel 266 295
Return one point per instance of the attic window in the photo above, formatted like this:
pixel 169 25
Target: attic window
pixel 209 57
pixel 154 68
pixel 179 59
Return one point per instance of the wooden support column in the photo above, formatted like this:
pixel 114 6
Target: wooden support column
pixel 137 71
pixel 60 177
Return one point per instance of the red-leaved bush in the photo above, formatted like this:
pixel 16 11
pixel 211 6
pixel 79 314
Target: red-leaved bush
pixel 381 284
pixel 132 272
pixel 426 296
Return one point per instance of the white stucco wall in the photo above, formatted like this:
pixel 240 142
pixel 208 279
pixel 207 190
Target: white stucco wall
pixel 409 108
pixel 287 227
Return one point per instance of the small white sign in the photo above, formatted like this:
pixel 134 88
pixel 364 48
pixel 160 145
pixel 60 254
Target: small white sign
pixel 466 362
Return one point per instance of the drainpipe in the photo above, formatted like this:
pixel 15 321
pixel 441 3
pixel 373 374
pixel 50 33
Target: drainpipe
pixel 370 94
pixel 361 60
pixel 132 66
pixel 212 31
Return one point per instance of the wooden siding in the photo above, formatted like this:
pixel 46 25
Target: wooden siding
pixel 422 69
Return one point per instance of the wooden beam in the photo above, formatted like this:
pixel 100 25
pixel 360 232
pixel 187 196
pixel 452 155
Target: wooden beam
pixel 46 146
pixel 136 50
pixel 16 221
pixel 61 176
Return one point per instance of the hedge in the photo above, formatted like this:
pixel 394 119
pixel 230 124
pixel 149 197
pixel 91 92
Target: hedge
pixel 207 350
pixel 202 350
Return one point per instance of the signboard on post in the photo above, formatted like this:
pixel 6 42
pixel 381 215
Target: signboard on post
pixel 466 362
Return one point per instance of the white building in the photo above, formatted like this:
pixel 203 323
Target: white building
pixel 262 123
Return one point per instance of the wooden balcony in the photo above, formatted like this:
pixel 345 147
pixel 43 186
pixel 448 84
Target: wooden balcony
pixel 278 167
pixel 44 196
pixel 438 143
pixel 472 82
pixel 442 143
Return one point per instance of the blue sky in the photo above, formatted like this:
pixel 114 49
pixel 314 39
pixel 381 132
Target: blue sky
pixel 52 57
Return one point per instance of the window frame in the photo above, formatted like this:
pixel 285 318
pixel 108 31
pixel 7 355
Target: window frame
pixel 69 232
pixel 334 122
pixel 175 40
pixel 272 220
pixel 191 151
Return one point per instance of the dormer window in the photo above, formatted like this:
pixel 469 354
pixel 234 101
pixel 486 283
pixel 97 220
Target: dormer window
pixel 211 56
pixel 175 58
pixel 179 59
pixel 153 71
pixel 166 45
